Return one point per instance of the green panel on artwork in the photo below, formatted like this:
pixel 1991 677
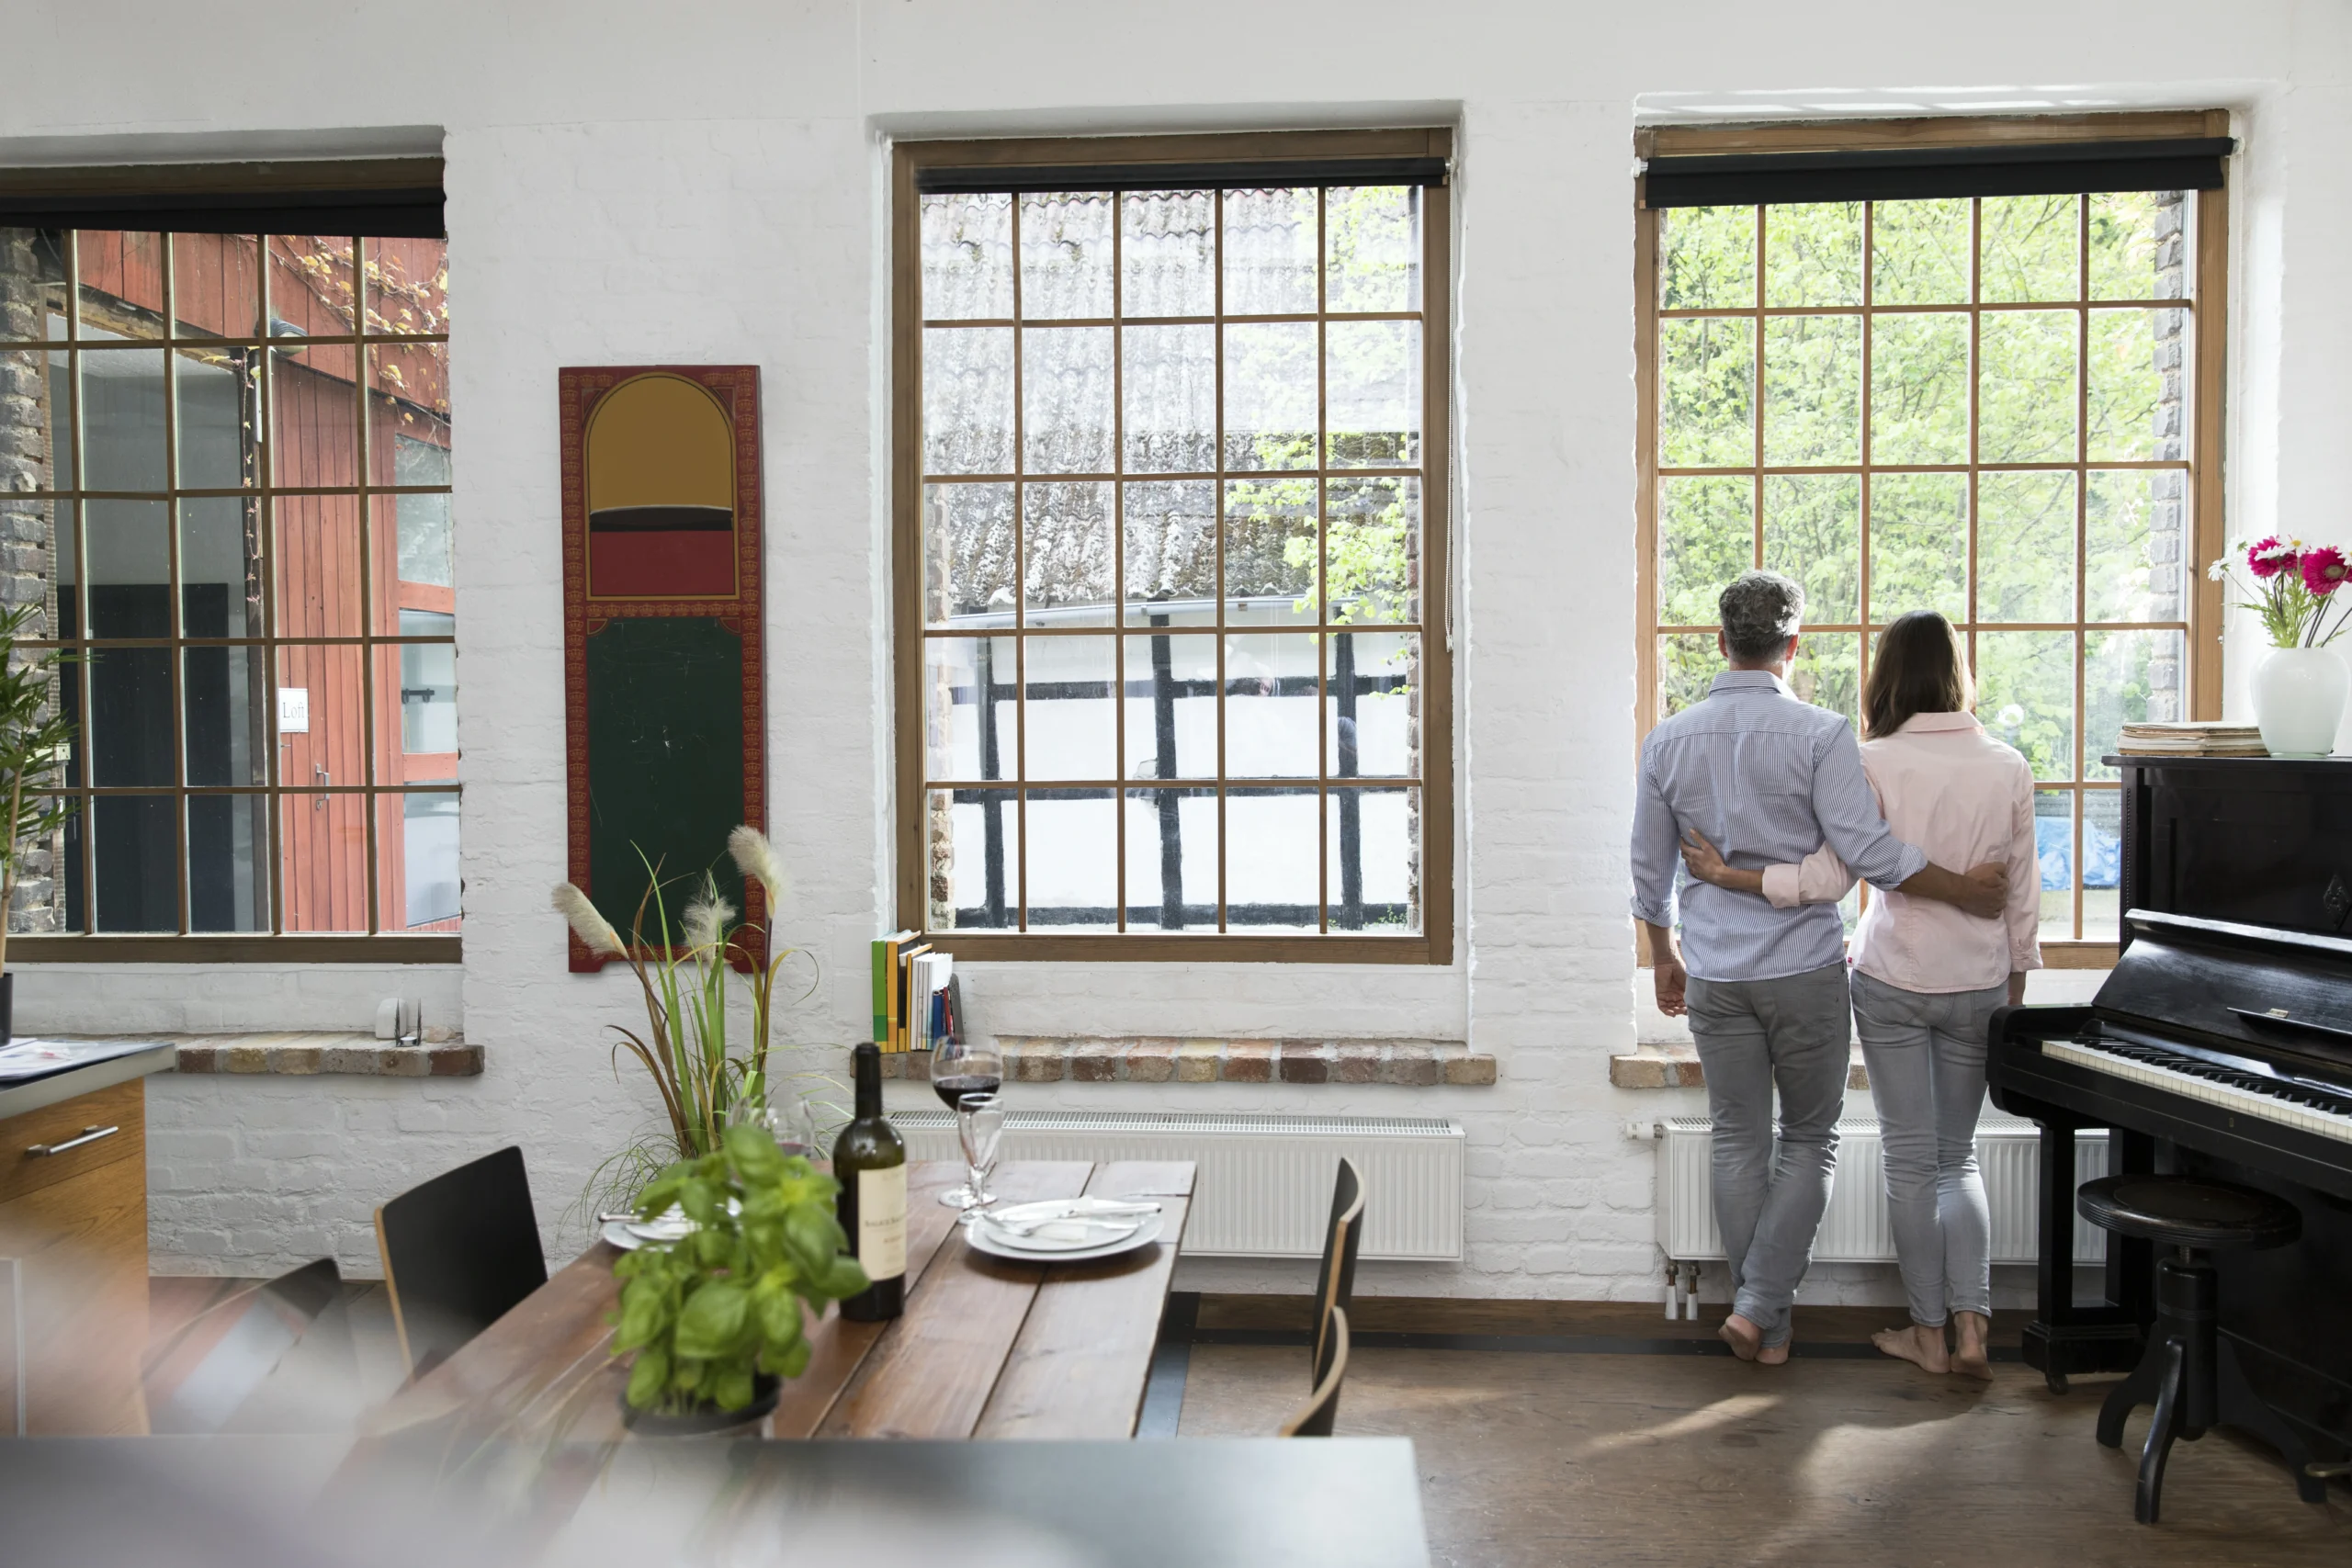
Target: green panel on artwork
pixel 665 760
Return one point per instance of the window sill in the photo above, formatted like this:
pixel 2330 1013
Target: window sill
pixel 299 1055
pixel 236 950
pixel 1677 1067
pixel 1419 1064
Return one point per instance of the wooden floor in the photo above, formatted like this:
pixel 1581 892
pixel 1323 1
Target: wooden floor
pixel 1533 1460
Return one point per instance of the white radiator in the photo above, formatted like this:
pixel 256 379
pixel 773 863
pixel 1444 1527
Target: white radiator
pixel 1855 1229
pixel 1264 1187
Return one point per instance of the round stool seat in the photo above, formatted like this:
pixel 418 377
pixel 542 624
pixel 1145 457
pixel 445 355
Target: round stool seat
pixel 2183 1211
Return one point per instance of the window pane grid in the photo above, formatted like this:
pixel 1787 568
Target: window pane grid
pixel 149 585
pixel 1263 493
pixel 2096 664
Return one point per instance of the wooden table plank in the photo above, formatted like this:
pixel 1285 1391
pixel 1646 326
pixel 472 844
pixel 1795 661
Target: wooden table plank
pixel 932 1371
pixel 589 1409
pixel 513 1363
pixel 837 1348
pixel 1079 1366
pixel 1083 1334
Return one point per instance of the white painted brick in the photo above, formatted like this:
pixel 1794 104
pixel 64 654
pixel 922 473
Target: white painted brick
pixel 670 232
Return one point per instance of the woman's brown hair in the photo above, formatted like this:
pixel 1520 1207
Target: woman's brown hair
pixel 1919 668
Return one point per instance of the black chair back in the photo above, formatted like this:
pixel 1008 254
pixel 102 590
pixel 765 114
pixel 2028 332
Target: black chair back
pixel 459 1251
pixel 1335 1281
pixel 1322 1408
pixel 276 1357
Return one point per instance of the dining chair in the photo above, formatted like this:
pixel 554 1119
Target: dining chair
pixel 1322 1408
pixel 272 1358
pixel 1335 1283
pixel 459 1251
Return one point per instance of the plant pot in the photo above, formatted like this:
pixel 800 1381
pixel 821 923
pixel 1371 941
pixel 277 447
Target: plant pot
pixel 2298 701
pixel 703 1418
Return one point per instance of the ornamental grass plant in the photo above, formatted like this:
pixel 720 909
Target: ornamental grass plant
pixel 707 1075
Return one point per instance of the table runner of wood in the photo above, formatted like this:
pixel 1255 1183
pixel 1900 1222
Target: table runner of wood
pixel 985 1348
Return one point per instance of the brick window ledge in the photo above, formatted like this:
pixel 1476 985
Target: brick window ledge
pixel 298 1054
pixel 1677 1067
pixel 1420 1064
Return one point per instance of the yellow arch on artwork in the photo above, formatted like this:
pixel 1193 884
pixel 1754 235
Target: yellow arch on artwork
pixel 660 440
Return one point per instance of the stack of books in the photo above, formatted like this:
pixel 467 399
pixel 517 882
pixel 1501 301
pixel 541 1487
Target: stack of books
pixel 906 976
pixel 2191 740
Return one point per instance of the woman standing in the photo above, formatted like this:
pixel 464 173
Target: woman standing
pixel 1928 975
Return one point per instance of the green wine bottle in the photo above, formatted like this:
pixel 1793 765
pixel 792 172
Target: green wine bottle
pixel 870 1162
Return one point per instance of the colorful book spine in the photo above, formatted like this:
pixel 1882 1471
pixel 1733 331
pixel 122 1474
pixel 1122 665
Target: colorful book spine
pixel 885 985
pixel 903 997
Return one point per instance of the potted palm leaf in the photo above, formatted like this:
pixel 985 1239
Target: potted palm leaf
pixel 34 733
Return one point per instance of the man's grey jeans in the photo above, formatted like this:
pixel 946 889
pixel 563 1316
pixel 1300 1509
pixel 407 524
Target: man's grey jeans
pixel 1753 1035
pixel 1926 1053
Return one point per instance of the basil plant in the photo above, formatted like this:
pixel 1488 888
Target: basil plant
pixel 706 1311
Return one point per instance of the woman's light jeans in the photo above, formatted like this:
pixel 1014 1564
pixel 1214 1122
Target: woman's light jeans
pixel 1926 1056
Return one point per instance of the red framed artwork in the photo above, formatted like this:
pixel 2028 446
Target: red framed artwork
pixel 664 707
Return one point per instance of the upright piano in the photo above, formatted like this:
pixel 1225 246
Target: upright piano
pixel 2220 1045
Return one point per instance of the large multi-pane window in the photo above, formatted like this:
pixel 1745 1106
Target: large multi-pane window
pixel 227 488
pixel 1981 406
pixel 1177 517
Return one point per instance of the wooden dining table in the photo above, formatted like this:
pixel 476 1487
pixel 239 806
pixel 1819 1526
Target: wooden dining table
pixel 985 1347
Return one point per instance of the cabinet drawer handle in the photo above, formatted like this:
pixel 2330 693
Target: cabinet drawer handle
pixel 89 1135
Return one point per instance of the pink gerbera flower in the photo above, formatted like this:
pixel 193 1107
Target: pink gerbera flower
pixel 2324 569
pixel 2268 558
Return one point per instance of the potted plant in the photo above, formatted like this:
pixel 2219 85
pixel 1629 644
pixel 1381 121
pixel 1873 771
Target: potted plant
pixel 716 1319
pixel 706 1076
pixel 2298 688
pixel 34 733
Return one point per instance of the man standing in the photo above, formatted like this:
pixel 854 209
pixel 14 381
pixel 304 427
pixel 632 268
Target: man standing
pixel 1769 780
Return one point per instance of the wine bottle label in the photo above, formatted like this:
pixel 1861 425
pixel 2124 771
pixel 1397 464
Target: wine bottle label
pixel 882 1223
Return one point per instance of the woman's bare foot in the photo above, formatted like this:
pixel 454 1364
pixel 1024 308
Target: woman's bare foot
pixel 1921 1346
pixel 1969 1356
pixel 1743 1337
pixel 1772 1355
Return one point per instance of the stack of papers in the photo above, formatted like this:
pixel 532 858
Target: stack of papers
pixel 2191 740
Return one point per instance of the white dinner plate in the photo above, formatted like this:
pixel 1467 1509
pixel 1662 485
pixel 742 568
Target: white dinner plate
pixel 987 1239
pixel 616 1232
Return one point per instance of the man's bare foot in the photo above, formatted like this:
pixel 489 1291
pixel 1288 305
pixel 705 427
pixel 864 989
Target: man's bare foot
pixel 1921 1346
pixel 1772 1355
pixel 1970 1358
pixel 1743 1337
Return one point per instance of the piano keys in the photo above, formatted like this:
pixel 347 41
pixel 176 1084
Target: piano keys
pixel 2214 1048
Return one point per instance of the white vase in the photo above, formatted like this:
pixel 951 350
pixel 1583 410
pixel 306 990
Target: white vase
pixel 2299 700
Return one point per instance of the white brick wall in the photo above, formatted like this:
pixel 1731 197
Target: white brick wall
pixel 707 186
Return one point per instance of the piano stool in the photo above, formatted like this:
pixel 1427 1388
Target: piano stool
pixel 2189 1372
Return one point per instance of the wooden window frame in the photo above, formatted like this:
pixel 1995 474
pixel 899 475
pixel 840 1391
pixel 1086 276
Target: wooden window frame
pixel 1433 943
pixel 208 197
pixel 2209 304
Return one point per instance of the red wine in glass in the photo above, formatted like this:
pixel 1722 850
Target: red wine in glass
pixel 953 1087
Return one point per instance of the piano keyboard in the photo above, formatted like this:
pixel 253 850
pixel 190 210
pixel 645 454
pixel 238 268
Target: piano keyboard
pixel 2247 1092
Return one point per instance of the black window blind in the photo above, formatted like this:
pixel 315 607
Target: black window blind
pixel 1259 175
pixel 2052 168
pixel 400 198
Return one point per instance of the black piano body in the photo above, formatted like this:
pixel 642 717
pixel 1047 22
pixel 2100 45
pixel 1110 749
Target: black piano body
pixel 2219 1049
pixel 2239 872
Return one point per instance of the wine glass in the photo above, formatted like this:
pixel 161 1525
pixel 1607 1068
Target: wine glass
pixel 784 1117
pixel 961 1067
pixel 980 1120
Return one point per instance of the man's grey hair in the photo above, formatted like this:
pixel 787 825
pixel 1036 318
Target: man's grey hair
pixel 1762 610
